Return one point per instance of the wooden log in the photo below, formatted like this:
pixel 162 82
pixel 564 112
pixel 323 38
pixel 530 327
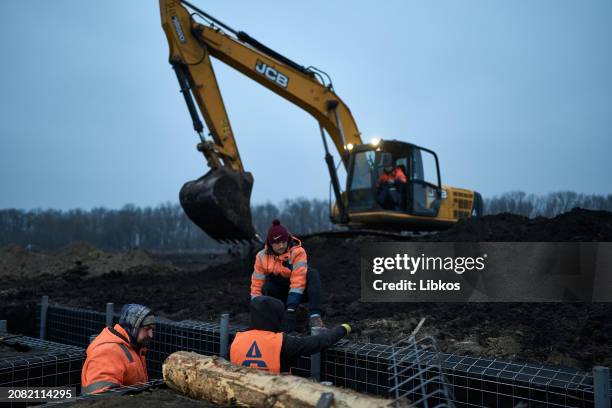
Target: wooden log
pixel 215 380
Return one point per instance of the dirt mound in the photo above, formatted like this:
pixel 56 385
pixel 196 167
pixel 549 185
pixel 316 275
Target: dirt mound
pixel 77 249
pixel 576 225
pixel 78 259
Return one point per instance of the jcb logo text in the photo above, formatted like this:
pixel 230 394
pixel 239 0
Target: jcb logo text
pixel 272 74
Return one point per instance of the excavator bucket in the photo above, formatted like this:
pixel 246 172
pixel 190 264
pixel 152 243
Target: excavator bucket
pixel 219 203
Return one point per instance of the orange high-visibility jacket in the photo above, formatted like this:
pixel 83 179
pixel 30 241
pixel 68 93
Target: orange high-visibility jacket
pixel 292 265
pixel 112 362
pixel 258 349
pixel 396 175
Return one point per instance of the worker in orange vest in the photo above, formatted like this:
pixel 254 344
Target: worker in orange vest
pixel 281 270
pixel 389 183
pixel 264 346
pixel 116 357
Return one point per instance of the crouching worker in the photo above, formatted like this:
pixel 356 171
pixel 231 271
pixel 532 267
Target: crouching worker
pixel 264 346
pixel 117 355
pixel 281 271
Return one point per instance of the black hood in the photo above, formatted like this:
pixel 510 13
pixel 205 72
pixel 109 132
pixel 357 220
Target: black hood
pixel 131 319
pixel 267 314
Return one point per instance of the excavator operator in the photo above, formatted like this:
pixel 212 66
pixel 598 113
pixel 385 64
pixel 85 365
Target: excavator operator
pixel 389 185
pixel 281 271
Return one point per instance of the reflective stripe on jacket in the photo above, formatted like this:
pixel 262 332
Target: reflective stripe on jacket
pixel 292 265
pixel 112 362
pixel 396 175
pixel 257 349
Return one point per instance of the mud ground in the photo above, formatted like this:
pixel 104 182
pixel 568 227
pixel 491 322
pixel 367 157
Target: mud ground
pixel 155 397
pixel 570 334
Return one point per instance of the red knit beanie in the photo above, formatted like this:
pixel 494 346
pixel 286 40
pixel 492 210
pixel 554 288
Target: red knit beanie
pixel 277 233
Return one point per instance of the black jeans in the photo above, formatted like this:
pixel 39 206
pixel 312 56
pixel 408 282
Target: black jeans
pixel 278 287
pixel 388 197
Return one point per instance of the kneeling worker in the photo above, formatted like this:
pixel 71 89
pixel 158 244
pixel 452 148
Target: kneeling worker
pixel 264 346
pixel 281 271
pixel 116 357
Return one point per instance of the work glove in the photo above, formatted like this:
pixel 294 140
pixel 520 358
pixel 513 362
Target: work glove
pixel 351 328
pixel 289 321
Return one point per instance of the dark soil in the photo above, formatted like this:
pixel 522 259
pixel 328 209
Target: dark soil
pixel 155 397
pixel 576 225
pixel 571 334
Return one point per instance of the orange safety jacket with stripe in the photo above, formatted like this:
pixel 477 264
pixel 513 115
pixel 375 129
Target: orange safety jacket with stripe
pixel 112 362
pixel 257 349
pixel 396 175
pixel 293 265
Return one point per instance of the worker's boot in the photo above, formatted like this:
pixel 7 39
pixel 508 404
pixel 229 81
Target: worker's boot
pixel 316 321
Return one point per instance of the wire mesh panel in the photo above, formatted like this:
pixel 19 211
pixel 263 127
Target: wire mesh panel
pixel 474 382
pixel 29 362
pixel 74 326
pixel 359 366
pixel 416 374
pixel 486 382
pixel 188 335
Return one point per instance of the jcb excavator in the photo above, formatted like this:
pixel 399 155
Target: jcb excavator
pixel 219 201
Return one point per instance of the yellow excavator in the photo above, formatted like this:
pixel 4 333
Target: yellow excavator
pixel 373 199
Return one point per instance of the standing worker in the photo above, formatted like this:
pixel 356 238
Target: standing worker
pixel 264 346
pixel 281 271
pixel 116 357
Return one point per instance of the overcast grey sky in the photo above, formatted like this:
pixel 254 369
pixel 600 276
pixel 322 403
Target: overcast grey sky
pixel 510 94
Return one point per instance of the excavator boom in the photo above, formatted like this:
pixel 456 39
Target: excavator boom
pixel 219 201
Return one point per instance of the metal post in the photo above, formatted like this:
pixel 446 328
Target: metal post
pixel 601 386
pixel 110 312
pixel 44 307
pixel 325 400
pixel 224 336
pixel 315 359
pixel 3 330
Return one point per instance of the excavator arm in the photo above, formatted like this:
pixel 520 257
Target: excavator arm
pixel 219 202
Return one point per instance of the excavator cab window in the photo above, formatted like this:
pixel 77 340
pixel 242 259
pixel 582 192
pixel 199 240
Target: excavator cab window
pixel 379 181
pixel 426 191
pixel 363 179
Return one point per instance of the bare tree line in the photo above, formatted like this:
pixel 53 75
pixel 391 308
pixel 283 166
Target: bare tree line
pixel 550 205
pixel 165 227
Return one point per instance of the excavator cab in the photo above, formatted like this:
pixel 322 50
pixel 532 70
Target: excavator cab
pixel 391 178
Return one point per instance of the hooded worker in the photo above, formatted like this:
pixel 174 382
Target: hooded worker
pixel 116 357
pixel 281 271
pixel 264 346
pixel 389 187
